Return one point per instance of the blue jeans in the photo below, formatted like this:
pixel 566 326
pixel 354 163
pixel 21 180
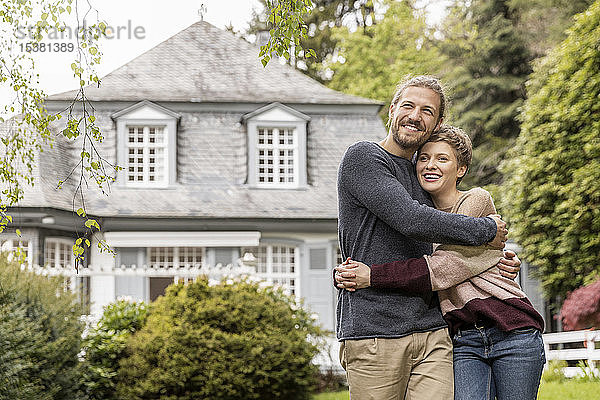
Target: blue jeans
pixel 490 363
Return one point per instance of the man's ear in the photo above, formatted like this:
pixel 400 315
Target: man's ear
pixel 391 111
pixel 438 125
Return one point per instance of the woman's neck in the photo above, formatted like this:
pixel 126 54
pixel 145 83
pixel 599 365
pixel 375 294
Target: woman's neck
pixel 445 200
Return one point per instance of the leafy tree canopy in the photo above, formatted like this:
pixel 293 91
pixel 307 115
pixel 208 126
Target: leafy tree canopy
pixel 543 22
pixel 370 62
pixel 488 64
pixel 310 25
pixel 552 195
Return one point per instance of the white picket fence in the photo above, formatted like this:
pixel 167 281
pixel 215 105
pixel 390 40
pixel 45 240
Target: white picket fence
pixel 584 343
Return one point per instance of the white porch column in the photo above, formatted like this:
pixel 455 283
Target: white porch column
pixel 102 287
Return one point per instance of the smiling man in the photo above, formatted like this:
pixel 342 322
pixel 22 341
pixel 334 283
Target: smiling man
pixel 395 344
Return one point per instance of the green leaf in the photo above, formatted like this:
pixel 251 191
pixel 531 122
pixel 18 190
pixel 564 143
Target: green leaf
pixel 92 223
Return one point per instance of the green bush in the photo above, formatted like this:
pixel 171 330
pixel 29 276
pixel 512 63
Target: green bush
pixel 40 337
pixel 104 346
pixel 228 341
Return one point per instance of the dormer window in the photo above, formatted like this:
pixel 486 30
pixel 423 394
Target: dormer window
pixel 276 147
pixel 146 134
pixel 277 156
pixel 147 154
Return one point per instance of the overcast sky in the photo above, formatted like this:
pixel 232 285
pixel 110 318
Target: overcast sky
pixel 139 25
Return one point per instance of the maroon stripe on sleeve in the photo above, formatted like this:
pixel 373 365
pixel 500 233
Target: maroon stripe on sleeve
pixel 411 275
pixel 507 314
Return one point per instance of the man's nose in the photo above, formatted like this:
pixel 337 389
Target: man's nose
pixel 415 115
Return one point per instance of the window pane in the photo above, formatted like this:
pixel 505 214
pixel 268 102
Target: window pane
pixel 190 256
pixel 161 257
pixel 146 149
pixel 276 264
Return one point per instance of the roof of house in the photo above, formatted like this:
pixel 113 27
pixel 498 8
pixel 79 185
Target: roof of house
pixel 205 64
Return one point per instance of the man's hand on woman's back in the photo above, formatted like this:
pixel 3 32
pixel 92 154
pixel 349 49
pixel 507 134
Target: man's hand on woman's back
pixel 501 232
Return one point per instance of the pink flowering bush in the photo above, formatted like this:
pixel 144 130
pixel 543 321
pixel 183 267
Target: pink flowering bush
pixel 581 309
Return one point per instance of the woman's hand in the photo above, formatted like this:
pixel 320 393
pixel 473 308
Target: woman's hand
pixel 352 275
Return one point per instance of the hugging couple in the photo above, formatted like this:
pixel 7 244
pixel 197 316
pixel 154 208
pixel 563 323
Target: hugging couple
pixel 416 323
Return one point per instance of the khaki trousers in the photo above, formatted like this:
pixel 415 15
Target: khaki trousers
pixel 414 367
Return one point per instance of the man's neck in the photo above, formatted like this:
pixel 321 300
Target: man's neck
pixel 390 145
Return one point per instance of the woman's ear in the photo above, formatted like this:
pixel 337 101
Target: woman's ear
pixel 462 170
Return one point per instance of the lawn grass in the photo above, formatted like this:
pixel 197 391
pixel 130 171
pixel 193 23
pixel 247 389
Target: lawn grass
pixel 570 390
pixel 343 395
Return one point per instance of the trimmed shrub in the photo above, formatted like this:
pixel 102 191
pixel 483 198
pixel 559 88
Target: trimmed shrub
pixel 228 341
pixel 40 337
pixel 105 345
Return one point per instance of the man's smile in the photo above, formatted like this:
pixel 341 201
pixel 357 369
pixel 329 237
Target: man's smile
pixel 412 127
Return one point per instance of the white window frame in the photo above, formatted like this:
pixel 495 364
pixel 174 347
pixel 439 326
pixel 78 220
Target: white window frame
pixel 277 117
pixel 176 256
pixel 147 115
pixel 279 161
pixel 268 275
pixel 56 242
pixel 10 244
pixel 160 156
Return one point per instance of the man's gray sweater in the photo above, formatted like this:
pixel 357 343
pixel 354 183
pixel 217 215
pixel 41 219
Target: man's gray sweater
pixel 385 215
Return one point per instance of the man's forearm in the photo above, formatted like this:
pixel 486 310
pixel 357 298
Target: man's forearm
pixel 365 177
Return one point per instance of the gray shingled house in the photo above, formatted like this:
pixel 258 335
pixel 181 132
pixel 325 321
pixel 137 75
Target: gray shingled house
pixel 221 158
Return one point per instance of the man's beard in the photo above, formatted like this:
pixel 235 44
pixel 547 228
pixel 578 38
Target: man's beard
pixel 414 140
